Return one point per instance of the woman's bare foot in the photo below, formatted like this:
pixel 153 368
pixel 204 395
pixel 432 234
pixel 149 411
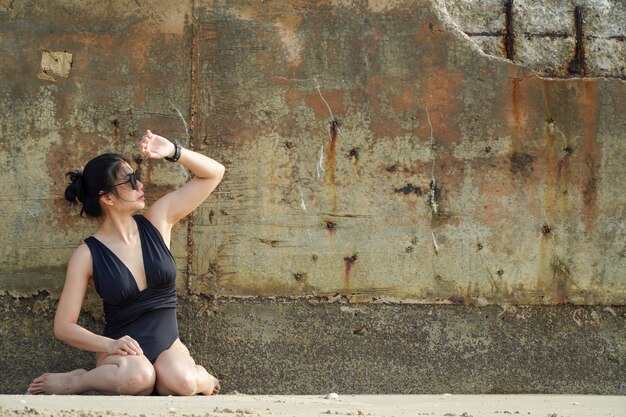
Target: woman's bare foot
pixel 55 383
pixel 214 389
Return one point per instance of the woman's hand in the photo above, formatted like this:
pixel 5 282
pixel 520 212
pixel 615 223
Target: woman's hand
pixel 155 146
pixel 125 345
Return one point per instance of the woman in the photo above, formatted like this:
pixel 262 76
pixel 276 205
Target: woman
pixel 129 263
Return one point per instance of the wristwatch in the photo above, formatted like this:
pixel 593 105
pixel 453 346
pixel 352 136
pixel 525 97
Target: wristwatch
pixel 177 150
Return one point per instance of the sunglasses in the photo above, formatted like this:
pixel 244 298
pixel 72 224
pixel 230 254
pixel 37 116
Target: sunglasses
pixel 133 177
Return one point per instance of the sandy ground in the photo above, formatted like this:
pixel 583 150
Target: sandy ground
pixel 319 406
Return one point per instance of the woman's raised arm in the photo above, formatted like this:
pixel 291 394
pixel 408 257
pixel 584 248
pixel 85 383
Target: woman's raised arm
pixel 172 207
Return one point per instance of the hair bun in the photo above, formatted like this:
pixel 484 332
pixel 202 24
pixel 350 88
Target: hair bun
pixel 74 191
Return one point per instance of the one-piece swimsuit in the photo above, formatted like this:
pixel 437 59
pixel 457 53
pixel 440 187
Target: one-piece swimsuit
pixel 148 316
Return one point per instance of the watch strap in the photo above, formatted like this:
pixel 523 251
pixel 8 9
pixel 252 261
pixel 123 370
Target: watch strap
pixel 177 152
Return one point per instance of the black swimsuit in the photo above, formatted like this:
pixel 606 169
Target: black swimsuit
pixel 148 316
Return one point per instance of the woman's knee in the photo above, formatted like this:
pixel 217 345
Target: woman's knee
pixel 137 376
pixel 176 381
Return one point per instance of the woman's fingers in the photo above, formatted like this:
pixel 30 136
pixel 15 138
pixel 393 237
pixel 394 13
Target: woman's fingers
pixel 130 345
pixel 151 145
pixel 133 347
pixel 137 347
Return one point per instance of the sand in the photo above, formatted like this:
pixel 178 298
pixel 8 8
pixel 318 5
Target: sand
pixel 319 406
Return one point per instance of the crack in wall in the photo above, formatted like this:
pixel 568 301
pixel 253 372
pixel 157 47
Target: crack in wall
pixel 434 193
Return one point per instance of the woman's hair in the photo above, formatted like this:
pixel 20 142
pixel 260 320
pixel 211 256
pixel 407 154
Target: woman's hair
pixel 99 175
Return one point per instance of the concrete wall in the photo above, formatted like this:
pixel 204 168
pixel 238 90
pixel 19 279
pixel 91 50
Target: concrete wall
pixel 385 159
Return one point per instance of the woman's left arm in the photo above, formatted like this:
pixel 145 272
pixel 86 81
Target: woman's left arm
pixel 172 207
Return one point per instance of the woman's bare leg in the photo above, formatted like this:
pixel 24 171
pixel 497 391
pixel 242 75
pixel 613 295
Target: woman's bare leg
pixel 115 374
pixel 178 374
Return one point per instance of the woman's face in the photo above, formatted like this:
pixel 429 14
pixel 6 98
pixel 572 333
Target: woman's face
pixel 129 189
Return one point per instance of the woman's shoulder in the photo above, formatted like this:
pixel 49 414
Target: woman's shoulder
pixel 82 252
pixel 81 262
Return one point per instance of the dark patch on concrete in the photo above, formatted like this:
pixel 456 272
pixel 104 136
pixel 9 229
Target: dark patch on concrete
pixel 590 188
pixel 331 227
pixel 551 35
pixel 498 33
pixel 271 242
pixel 409 189
pixel 351 259
pixel 577 65
pixel 509 38
pixel 456 299
pixel 353 155
pixel 213 270
pixel 361 331
pixel 392 168
pixel 348 262
pixel 521 163
pixel 567 152
pixel 546 229
pixel 299 276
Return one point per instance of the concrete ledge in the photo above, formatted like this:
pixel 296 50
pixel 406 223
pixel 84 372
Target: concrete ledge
pixel 301 406
pixel 304 346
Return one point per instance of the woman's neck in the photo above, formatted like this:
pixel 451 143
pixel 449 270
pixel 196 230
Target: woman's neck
pixel 118 227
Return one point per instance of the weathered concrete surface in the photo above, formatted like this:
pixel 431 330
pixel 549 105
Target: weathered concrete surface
pixel 337 184
pixel 312 346
pixel 129 65
pixel 374 154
